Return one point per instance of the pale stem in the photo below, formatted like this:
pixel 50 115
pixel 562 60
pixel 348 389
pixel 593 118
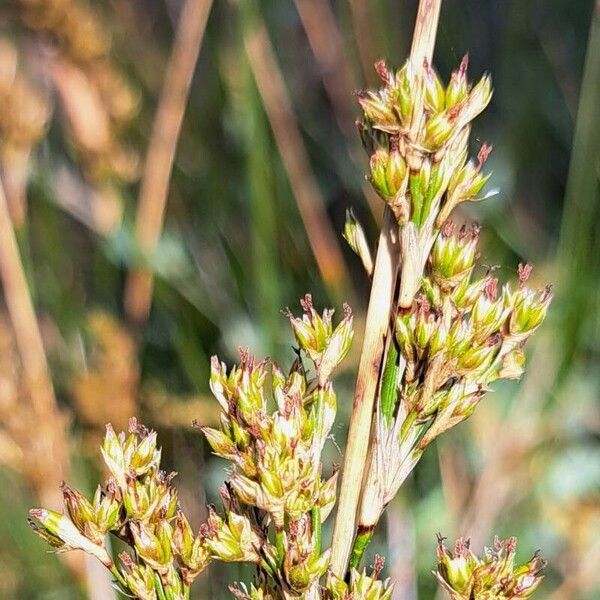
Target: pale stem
pixel 376 330
pixel 161 151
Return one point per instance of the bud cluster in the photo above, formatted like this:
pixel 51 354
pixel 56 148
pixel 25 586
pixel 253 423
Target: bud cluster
pixel 416 131
pixel 494 576
pixel 276 457
pixel 459 335
pixel 138 505
pixel 361 586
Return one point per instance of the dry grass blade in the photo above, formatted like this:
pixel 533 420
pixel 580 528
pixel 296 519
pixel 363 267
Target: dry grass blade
pixel 327 45
pixel 362 22
pixel 31 351
pixel 376 329
pixel 51 449
pixel 293 153
pixel 161 152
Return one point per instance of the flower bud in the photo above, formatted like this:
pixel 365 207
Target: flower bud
pixel 404 92
pixel 311 569
pixel 233 540
pixel 315 335
pixel 379 111
pixel 60 532
pixel 489 312
pixel 453 255
pixel 529 309
pixel 388 173
pixel 479 97
pixel 153 546
pixel 80 509
pixel 457 89
pixel 328 496
pixel 190 549
pixel 513 365
pixel 220 443
pixel 138 577
pixel 438 130
pixel 357 240
pixel 113 455
pixel 107 508
pixel 143 455
pixel 435 95
pixel 361 585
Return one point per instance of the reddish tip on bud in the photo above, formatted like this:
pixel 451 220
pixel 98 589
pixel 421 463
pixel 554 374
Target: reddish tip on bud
pixel 524 271
pixel 464 65
pixel 483 155
pixel 491 289
pixel 383 71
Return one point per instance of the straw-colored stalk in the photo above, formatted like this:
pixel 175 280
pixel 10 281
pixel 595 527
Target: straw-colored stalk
pixel 161 151
pixel 376 331
pixel 33 357
pixel 49 426
pixel 327 44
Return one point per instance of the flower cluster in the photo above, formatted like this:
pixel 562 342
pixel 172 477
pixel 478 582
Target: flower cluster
pixel 459 335
pixel 276 457
pixel 361 586
pixel 138 505
pixel 416 131
pixel 494 576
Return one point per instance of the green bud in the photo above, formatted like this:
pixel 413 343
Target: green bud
pixel 113 455
pixel 144 454
pixel 479 97
pixel 438 130
pixel 388 173
pixel 79 508
pixel 328 496
pixel 190 549
pixel 513 365
pixel 315 335
pixel 138 577
pixel 379 111
pixel 529 309
pixel 153 545
pixel 453 256
pixel 107 508
pixel 357 240
pixel 220 443
pixel 457 89
pixel 435 95
pixel 403 92
pixel 234 539
pixel 311 569
pixel 60 532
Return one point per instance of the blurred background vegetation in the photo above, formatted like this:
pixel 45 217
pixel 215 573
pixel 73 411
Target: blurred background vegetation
pixel 147 247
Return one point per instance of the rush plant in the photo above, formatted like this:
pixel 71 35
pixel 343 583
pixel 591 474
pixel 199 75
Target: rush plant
pixel 439 333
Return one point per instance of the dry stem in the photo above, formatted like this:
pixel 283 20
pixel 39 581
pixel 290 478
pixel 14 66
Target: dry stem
pixel 280 113
pixel 377 324
pixel 48 425
pixel 161 151
pixel 327 44
pixel 31 351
